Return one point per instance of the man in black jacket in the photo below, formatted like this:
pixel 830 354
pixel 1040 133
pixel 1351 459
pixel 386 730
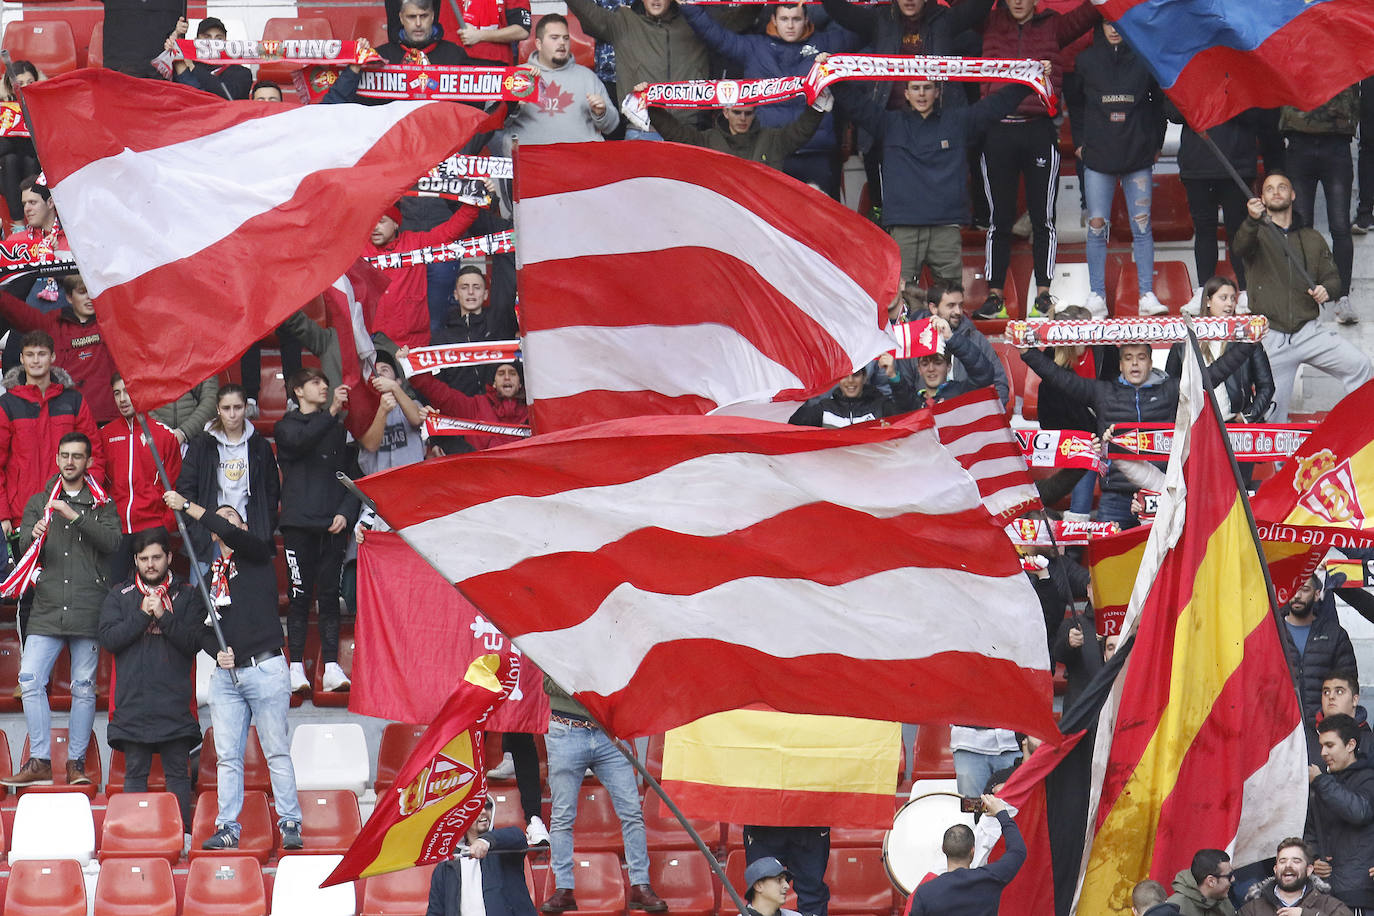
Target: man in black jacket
pixel 317 512
pixel 421 41
pixel 1340 814
pixel 1316 644
pixel 501 876
pixel 472 318
pixel 151 625
pixel 243 587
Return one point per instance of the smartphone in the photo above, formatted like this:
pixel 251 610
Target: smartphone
pixel 971 805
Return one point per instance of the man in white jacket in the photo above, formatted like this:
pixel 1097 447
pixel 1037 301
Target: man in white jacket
pixel 573 105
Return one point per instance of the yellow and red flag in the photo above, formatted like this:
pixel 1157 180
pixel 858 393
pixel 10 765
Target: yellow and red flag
pixel 443 785
pixel 757 766
pixel 1201 743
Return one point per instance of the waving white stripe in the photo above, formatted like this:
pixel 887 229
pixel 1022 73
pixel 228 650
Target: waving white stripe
pixel 706 496
pixel 676 359
pixel 143 196
pixel 592 222
pixel 868 618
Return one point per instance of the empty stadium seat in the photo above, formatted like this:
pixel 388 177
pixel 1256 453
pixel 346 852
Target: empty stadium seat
pixel 9 670
pixel 135 887
pixel 1069 283
pixel 57 745
pixel 1170 220
pixel 1030 397
pixel 205 666
pixel 684 880
pixel 398 740
pixel 53 825
pixel 48 43
pixel 321 697
pixel 290 27
pixel 95 54
pixel 858 882
pixel 114 780
pixel 297 890
pixel 256 776
pixel 663 831
pixel 330 821
pixel 860 837
pixel 600 883
pixel 330 756
pixel 229 886
pixel 400 893
pixel 932 758
pixel 258 834
pixel 653 756
pixel 1172 285
pixel 53 887
pixel 583 45
pixel 142 824
pixel 373 28
pixel 597 827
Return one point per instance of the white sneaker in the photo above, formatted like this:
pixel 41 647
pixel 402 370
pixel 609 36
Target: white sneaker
pixel 503 770
pixel 1150 305
pixel 1097 305
pixel 250 409
pixel 334 678
pixel 1077 517
pixel 1243 304
pixel 1345 312
pixel 299 683
pixel 536 834
pixel 1194 305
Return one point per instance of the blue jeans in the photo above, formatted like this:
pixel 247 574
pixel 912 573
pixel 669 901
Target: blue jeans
pixel 571 751
pixel 262 698
pixel 440 279
pixel 972 770
pixel 40 654
pixel 635 134
pixel 1081 496
pixel 1115 506
pixel 1098 189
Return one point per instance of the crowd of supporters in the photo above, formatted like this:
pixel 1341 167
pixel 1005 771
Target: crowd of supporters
pixel 939 158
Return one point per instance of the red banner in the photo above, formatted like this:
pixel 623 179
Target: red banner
pixel 416 635
pixel 449 356
pixel 1088 332
pixel 1249 441
pixel 476 247
pixel 303 51
pixel 916 339
pixel 426 83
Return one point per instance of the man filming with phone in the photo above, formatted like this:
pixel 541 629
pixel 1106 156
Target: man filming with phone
pixel 966 891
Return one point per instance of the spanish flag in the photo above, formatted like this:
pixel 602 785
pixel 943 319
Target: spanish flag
pixel 757 766
pixel 1200 743
pixel 443 785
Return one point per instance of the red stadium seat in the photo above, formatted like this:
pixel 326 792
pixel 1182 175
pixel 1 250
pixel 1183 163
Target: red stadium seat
pixel 1170 220
pixel 858 882
pixel 290 27
pixel 48 43
pixel 534 882
pixel 861 837
pixel 256 777
pixel 336 698
pixel 227 886
pixel 373 28
pixel 597 827
pixel 600 883
pixel 398 740
pixel 46 887
pixel 58 750
pixel 95 54
pixel 114 781
pixel 653 756
pixel 663 831
pixel 136 887
pixel 583 45
pixel 258 835
pixel 1030 397
pixel 142 824
pixel 1172 284
pixel 684 880
pixel 399 893
pixel 330 818
pixel 933 757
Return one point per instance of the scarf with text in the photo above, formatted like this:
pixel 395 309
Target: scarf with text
pixel 441 425
pixel 303 51
pixel 1093 331
pixel 476 247
pixel 1055 448
pixel 1034 532
pixel 26 571
pixel 1249 441
pixel 449 356
pixel 460 178
pixel 421 82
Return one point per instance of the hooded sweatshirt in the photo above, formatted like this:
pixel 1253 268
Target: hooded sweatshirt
pixel 1190 902
pixel 561 114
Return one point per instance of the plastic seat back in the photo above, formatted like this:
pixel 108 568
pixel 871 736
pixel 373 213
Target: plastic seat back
pixel 140 825
pixel 229 886
pixel 297 890
pixel 54 887
pixel 135 887
pixel 330 755
pixel 53 825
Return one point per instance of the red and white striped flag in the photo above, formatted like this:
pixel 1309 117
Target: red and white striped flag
pixel 200 224
pixel 658 278
pixel 665 568
pixel 974 428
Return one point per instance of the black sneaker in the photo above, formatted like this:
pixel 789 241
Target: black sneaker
pixel 223 838
pixel 992 308
pixel 291 835
pixel 1042 306
pixel 1362 224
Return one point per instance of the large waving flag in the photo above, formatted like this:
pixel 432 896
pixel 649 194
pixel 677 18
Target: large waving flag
pixel 1201 742
pixel 199 224
pixel 974 428
pixel 665 568
pixel 658 278
pixel 757 766
pixel 441 788
pixel 1217 58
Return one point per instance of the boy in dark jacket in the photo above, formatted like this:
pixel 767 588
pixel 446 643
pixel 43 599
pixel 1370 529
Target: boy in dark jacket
pixel 317 513
pixel 151 625
pixel 1340 813
pixel 854 400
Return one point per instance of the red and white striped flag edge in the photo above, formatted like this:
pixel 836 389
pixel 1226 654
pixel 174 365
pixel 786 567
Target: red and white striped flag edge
pixel 659 278
pixel 199 224
pixel 844 572
pixel 974 427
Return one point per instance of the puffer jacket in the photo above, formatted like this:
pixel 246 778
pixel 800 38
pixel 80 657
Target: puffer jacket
pixel 835 410
pixel 1328 649
pixel 766 145
pixel 76 566
pixel 1250 389
pixel 1122 127
pixel 459 327
pixel 965 330
pixel 1316 899
pixel 189 413
pixel 31 424
pixel 1340 826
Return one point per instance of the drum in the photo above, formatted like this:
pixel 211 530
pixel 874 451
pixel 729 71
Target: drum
pixel 911 849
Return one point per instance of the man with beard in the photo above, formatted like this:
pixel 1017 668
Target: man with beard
pixel 1340 814
pixel 1294 890
pixel 151 625
pixel 946 300
pixel 499 879
pixel 1316 644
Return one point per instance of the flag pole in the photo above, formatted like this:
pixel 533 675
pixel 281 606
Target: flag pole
pixel 1244 499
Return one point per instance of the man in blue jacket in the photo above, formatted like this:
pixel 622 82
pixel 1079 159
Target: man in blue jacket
pixel 495 862
pixel 966 891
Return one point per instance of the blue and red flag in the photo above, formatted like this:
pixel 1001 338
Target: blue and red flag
pixel 1216 58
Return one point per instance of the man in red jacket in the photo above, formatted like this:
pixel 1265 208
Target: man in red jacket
pixel 131 476
pixel 502 402
pixel 39 406
pixel 403 310
pixel 80 349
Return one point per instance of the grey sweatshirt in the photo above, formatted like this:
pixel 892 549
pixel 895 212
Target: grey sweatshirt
pixel 561 115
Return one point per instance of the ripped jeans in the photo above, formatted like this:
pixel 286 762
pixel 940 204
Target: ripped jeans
pixel 40 654
pixel 1098 189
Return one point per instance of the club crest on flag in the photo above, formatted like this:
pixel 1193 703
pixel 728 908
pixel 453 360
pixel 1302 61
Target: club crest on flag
pixel 1328 489
pixel 444 777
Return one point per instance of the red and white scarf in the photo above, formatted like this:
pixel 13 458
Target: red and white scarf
pixel 221 571
pixel 25 572
pixel 163 591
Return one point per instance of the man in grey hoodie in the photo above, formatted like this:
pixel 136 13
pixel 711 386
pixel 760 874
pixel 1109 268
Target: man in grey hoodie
pixel 573 105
